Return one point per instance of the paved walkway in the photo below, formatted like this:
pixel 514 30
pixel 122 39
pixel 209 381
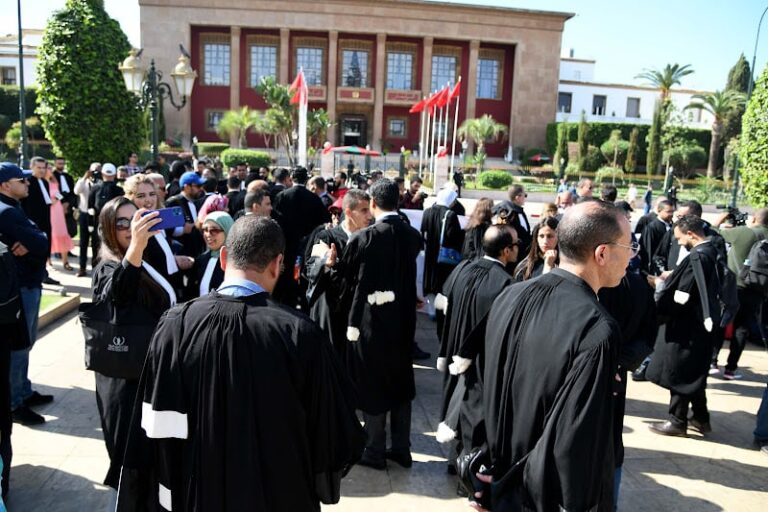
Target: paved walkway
pixel 58 467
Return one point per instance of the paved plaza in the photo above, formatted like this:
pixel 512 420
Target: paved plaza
pixel 58 467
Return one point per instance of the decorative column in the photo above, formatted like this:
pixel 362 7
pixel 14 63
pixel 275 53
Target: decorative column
pixel 234 76
pixel 330 90
pixel 285 55
pixel 515 95
pixel 474 52
pixel 378 104
pixel 426 65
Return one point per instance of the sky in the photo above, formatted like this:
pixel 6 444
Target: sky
pixel 623 37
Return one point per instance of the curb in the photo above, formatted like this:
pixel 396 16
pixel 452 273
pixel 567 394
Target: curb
pixel 60 309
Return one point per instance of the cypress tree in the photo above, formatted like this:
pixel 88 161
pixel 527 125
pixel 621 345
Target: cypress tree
pixel 582 141
pixel 654 141
pixel 738 80
pixel 631 162
pixel 562 148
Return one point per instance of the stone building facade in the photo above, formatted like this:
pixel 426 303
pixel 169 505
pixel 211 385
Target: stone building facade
pixel 367 62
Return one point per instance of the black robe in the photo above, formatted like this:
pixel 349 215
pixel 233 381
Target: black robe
pixel 321 305
pixel 519 273
pixel 631 304
pixel 473 242
pixel 668 251
pixel 376 278
pixel 517 218
pixel 193 243
pixel 156 257
pixel 436 273
pixel 551 354
pixel 650 239
pixel 469 294
pixel 36 208
pixel 683 353
pixel 242 405
pixel 198 272
pixel 115 397
pixel 643 221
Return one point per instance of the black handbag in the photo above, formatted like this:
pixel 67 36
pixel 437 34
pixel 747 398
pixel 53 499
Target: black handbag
pixel 116 337
pixel 69 219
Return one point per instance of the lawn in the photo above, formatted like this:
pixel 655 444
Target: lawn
pixel 49 299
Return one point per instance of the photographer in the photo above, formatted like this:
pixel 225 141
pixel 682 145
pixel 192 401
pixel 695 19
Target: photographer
pixel 413 199
pixel 83 190
pixel 741 240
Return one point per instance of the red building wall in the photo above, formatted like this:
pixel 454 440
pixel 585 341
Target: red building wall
pixel 205 97
pixel 500 109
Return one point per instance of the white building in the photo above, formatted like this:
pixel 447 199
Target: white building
pixel 619 103
pixel 9 56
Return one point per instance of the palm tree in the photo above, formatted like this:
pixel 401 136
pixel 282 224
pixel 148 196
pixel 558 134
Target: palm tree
pixel 481 130
pixel 665 79
pixel 719 104
pixel 236 123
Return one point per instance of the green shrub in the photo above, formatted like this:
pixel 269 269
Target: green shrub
pixel 9 104
pixel 685 157
pixel 494 179
pixel 594 160
pixel 211 148
pixel 753 146
pixel 609 173
pixel 254 159
pixel 608 149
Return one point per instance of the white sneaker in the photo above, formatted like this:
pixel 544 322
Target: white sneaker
pixel 713 369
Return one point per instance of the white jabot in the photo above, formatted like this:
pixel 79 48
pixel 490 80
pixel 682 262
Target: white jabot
pixel 64 184
pixel 682 255
pixel 159 279
pixel 524 223
pixel 493 259
pixel 193 210
pixel 205 283
pixel 170 259
pixel 44 190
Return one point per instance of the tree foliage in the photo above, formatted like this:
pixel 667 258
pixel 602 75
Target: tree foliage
pixel 738 80
pixel 562 148
pixel 481 131
pixel 631 162
pixel 237 124
pixel 719 104
pixel 85 108
pixel 615 149
pixel 583 142
pixel 753 146
pixel 653 159
pixel 666 78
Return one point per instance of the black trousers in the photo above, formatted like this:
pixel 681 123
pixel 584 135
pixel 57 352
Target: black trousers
pixel 84 222
pixel 750 304
pixel 376 428
pixel 679 403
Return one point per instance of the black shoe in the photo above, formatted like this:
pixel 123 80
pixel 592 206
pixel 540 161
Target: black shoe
pixel 418 354
pixel 639 374
pixel 37 399
pixel 667 429
pixel 27 416
pixel 371 462
pixel 82 273
pixel 703 427
pixel 404 459
pixel 50 280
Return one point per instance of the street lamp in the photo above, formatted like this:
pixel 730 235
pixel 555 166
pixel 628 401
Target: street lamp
pixel 151 90
pixel 735 190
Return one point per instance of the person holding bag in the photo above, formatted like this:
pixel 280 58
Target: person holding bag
pixel 129 298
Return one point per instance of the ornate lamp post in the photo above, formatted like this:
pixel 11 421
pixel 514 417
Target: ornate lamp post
pixel 150 88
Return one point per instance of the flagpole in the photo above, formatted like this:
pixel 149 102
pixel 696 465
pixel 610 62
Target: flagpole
pixel 426 142
pixel 455 127
pixel 432 152
pixel 421 139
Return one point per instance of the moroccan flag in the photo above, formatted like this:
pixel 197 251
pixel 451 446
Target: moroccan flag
pixel 456 90
pixel 443 97
pixel 418 106
pixel 299 89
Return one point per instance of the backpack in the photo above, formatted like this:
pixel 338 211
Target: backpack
pixel 10 300
pixel 754 272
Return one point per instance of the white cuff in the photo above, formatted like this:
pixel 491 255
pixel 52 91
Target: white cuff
pixel 441 302
pixel 353 333
pixel 445 434
pixel 681 297
pixel 708 324
pixel 441 365
pixel 459 365
pixel 379 298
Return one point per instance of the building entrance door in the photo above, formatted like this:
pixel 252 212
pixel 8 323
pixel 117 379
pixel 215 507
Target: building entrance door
pixel 353 131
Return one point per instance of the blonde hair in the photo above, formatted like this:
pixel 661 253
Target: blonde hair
pixel 131 185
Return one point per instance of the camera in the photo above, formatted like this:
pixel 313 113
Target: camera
pixel 330 185
pixel 735 216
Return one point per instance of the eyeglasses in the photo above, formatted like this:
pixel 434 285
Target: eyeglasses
pixel 634 247
pixel 123 224
pixel 212 231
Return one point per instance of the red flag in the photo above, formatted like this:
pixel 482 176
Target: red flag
pixel 418 106
pixel 443 97
pixel 456 90
pixel 443 152
pixel 301 94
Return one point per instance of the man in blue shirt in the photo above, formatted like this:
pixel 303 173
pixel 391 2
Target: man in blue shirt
pixel 29 245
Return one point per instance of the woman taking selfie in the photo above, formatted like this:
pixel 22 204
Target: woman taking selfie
pixel 133 289
pixel 542 256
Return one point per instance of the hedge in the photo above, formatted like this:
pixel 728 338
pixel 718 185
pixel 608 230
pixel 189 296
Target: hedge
pixel 601 132
pixel 211 148
pixel 254 159
pixel 494 179
pixel 9 105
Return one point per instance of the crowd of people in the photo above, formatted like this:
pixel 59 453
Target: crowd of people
pixel 281 304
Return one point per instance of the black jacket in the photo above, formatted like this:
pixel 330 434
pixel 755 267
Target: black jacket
pixel 15 226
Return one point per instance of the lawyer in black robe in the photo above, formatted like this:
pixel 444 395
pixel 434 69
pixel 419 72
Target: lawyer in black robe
pixel 653 233
pixel 189 201
pixel 548 387
pixel 437 217
pixel 473 288
pixel 37 205
pixel 242 404
pixel 689 308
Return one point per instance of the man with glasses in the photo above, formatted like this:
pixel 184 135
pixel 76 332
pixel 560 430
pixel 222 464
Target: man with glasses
pixel 29 246
pixel 551 371
pixel 688 298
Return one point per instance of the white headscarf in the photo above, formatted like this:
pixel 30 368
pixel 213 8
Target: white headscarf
pixel 446 197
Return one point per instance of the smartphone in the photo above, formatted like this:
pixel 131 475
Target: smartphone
pixel 170 218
